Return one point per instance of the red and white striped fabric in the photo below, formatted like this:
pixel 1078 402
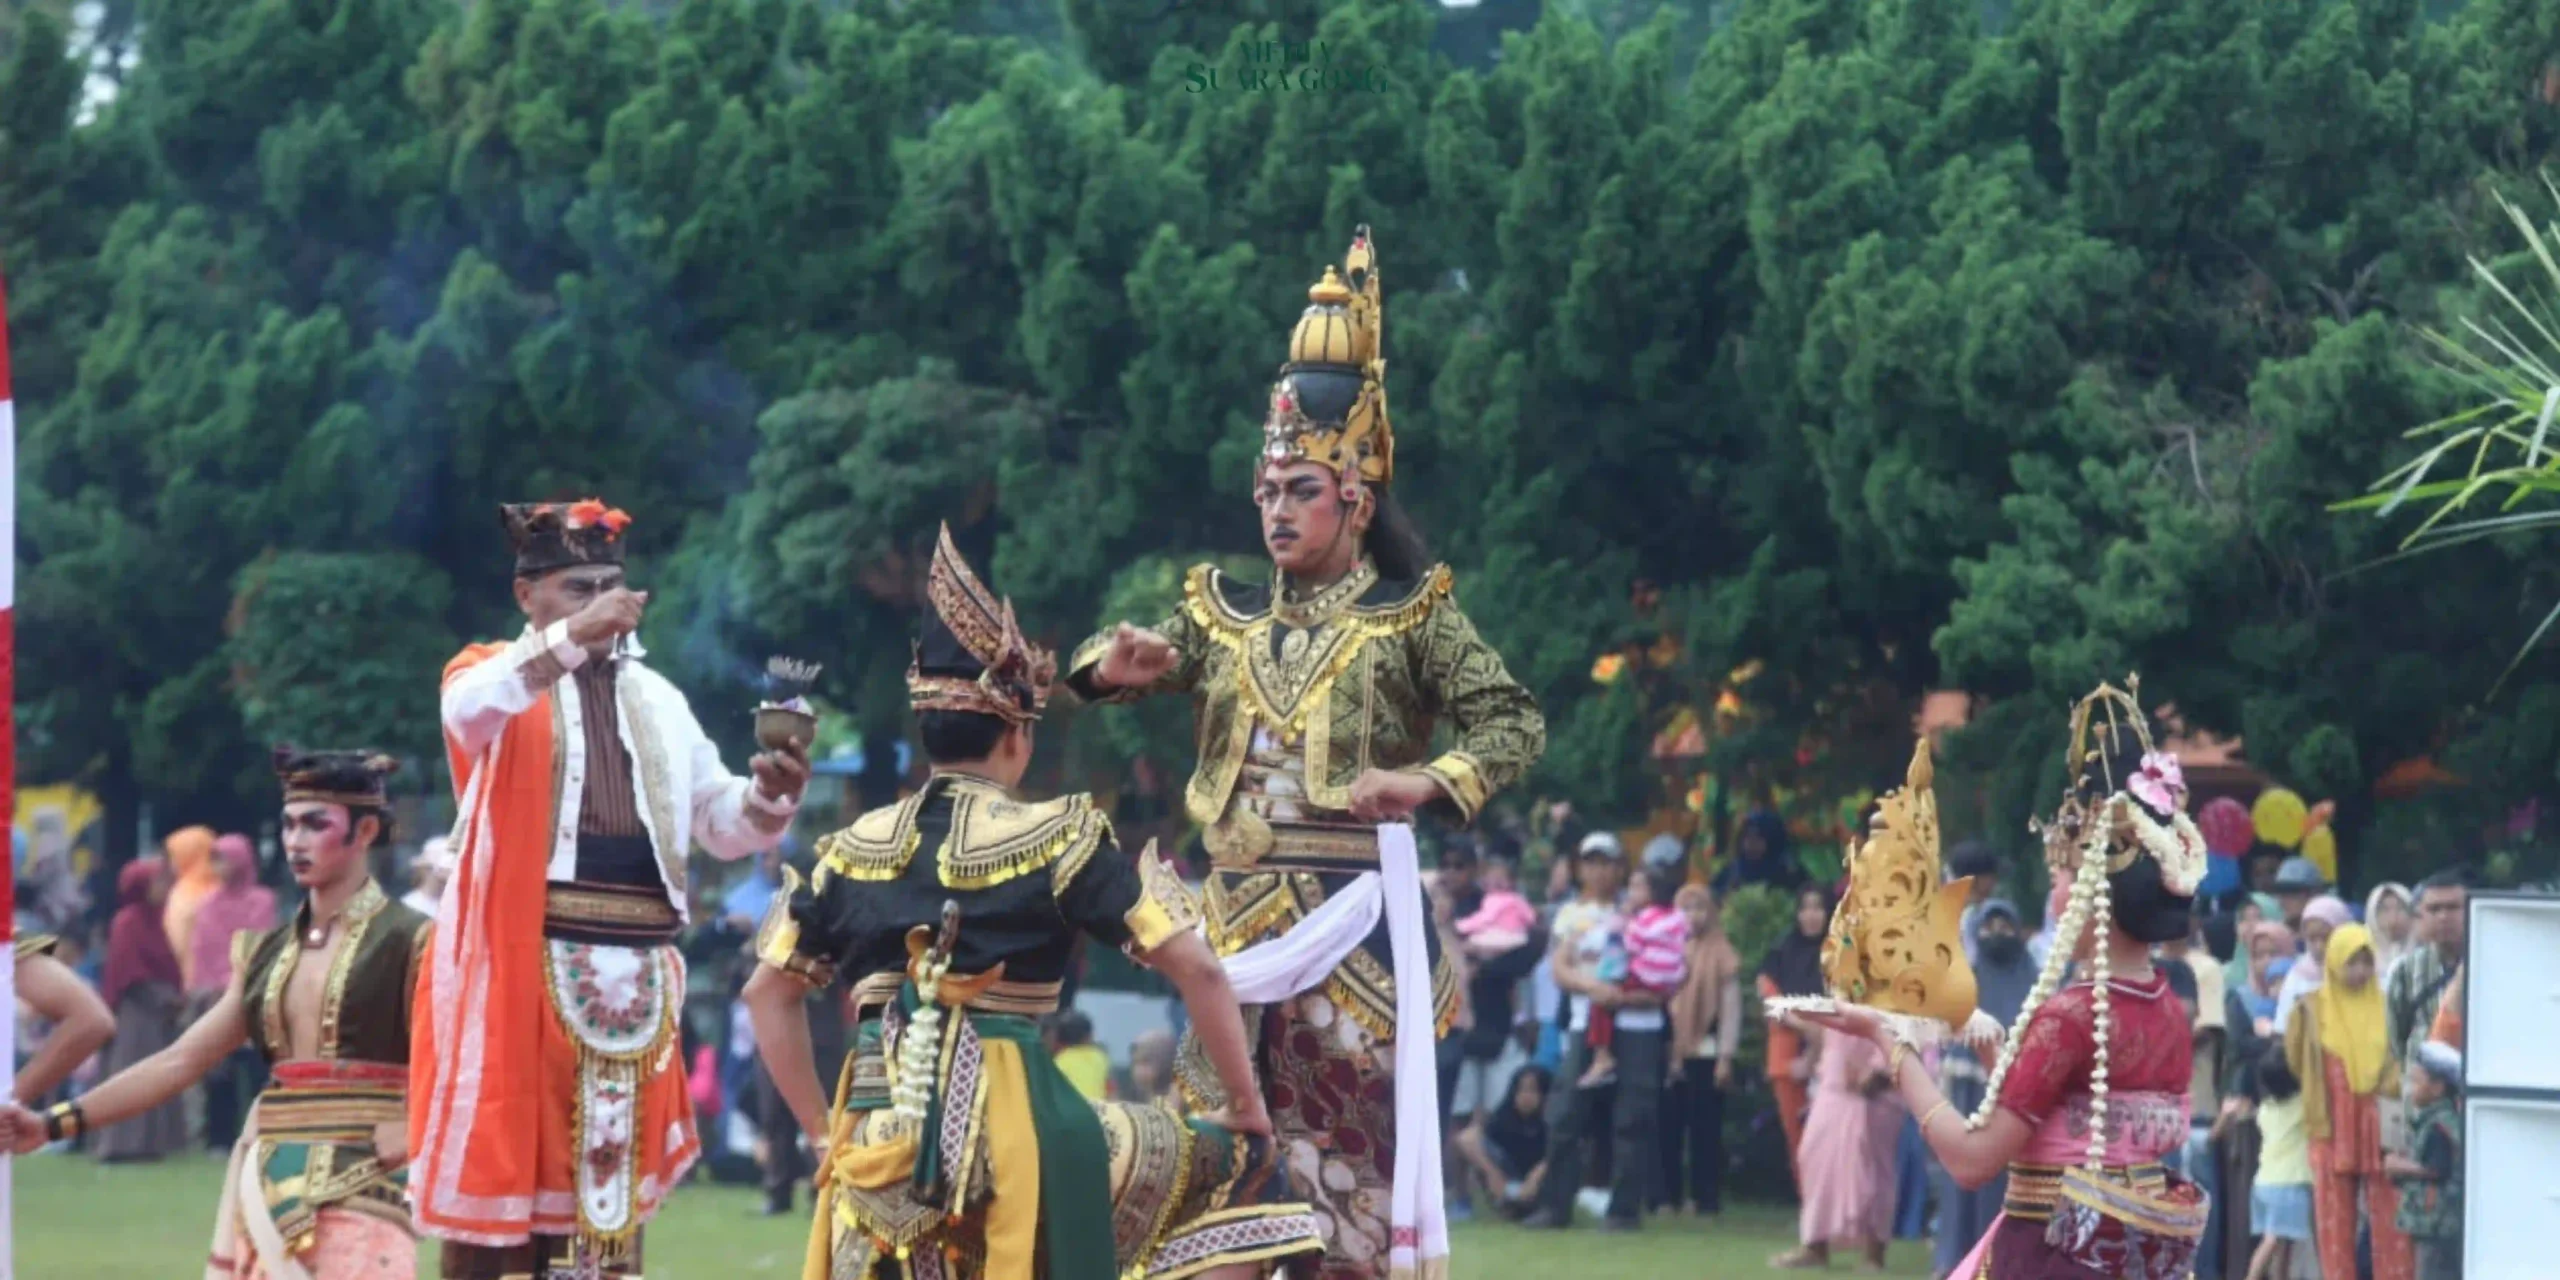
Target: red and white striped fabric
pixel 8 755
pixel 1658 949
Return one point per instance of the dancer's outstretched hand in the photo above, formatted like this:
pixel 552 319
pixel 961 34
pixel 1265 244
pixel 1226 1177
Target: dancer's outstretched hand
pixel 1137 658
pixel 21 1130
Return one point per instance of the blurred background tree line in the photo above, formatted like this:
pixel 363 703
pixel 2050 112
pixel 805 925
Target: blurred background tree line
pixel 1792 358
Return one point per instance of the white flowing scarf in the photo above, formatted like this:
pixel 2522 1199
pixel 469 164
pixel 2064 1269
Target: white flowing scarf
pixel 1309 952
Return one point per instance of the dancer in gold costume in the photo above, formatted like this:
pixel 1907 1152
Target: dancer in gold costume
pixel 1317 695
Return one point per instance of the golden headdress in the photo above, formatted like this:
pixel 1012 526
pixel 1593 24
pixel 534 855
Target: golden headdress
pixel 973 656
pixel 1330 404
pixel 2125 799
pixel 1897 938
pixel 2126 808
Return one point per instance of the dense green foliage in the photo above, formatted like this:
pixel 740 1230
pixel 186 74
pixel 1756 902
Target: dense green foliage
pixel 1897 350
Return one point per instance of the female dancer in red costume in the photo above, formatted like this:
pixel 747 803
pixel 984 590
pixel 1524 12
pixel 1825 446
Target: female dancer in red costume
pixel 2091 1089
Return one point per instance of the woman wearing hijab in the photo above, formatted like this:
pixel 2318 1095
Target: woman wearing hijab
pixel 1761 856
pixel 2339 1045
pixel 191 861
pixel 2003 974
pixel 144 986
pixel 241 905
pixel 1793 967
pixel 2391 916
pixel 1706 1028
pixel 2320 919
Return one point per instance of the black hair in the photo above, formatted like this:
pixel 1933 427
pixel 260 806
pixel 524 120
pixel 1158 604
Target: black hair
pixel 2449 878
pixel 2222 935
pixel 1072 1028
pixel 386 826
pixel 1458 853
pixel 957 737
pixel 2142 904
pixel 2275 1075
pixel 1394 543
pixel 1973 858
pixel 1663 883
pixel 1546 1081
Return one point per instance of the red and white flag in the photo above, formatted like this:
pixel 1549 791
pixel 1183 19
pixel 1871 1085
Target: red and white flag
pixel 8 756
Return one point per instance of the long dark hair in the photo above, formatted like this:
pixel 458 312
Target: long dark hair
pixel 2142 904
pixel 1393 542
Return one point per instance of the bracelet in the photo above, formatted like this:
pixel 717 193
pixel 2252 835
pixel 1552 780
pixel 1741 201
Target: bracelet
pixel 1932 1114
pixel 65 1120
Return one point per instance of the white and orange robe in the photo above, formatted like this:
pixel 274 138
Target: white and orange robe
pixel 548 1094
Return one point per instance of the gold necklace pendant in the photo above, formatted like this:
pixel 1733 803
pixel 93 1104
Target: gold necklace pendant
pixel 1321 607
pixel 1293 646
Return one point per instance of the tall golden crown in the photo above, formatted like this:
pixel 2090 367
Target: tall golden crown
pixel 1340 336
pixel 1897 942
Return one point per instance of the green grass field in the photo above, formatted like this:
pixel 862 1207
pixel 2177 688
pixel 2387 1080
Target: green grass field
pixel 78 1220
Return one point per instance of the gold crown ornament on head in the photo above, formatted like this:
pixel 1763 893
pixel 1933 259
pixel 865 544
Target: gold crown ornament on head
pixel 1896 943
pixel 1330 404
pixel 1016 674
pixel 2132 811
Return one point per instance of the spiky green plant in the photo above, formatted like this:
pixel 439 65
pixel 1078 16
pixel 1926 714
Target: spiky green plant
pixel 2481 464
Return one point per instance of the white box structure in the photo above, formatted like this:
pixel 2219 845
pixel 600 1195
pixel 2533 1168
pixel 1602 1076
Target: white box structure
pixel 2511 1087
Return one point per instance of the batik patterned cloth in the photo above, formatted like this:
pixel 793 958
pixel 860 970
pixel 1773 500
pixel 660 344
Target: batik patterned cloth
pixel 348 1246
pixel 2041 1235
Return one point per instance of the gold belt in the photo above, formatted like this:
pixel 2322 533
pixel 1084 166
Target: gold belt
pixel 340 1114
pixel 628 915
pixel 1023 999
pixel 1246 841
pixel 2034 1189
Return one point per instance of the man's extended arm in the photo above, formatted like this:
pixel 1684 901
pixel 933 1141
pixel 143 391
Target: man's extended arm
pixel 488 686
pixel 733 817
pixel 81 1024
pixel 158 1078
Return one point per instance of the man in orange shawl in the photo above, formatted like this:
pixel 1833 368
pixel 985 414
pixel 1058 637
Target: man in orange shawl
pixel 548 1111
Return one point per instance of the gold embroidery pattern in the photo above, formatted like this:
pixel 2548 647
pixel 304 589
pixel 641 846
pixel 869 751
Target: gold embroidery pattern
pixel 777 940
pixel 995 838
pixel 1323 606
pixel 358 916
pixel 673 836
pixel 877 847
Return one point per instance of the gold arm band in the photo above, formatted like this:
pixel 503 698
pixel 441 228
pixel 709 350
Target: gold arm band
pixel 1458 775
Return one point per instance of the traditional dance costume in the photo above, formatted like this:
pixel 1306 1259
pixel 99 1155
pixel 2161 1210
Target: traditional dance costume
pixel 958 1150
pixel 550 1116
pixel 1296 696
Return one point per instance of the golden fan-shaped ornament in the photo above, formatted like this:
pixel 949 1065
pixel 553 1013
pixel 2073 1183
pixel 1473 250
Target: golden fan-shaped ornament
pixel 1896 942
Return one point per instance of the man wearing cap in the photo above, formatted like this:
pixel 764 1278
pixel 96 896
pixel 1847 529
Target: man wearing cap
pixel 2298 881
pixel 549 1111
pixel 1575 1116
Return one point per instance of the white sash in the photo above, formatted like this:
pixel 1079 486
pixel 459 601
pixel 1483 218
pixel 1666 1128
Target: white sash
pixel 1304 956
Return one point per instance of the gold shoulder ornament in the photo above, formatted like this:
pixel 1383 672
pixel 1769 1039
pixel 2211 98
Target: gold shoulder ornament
pixel 1896 945
pixel 1165 907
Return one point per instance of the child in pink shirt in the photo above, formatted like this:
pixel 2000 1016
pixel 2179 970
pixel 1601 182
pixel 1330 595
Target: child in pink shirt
pixel 1505 919
pixel 1651 955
